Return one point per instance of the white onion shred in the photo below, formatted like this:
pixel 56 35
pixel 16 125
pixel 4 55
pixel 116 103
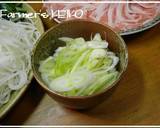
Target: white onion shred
pixel 16 43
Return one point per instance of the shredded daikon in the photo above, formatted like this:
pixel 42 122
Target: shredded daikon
pixel 16 43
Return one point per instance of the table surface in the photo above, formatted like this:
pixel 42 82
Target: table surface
pixel 135 101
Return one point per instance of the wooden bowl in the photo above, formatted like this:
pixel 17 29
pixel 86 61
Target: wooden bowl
pixel 48 43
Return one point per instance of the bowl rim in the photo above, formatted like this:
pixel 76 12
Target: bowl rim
pixel 44 85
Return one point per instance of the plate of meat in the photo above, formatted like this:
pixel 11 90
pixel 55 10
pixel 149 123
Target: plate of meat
pixel 125 18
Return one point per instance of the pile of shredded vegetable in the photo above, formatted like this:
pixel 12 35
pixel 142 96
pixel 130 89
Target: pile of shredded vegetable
pixel 81 67
pixel 16 43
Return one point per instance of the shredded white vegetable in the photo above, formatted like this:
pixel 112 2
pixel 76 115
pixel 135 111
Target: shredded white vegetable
pixel 16 43
pixel 81 67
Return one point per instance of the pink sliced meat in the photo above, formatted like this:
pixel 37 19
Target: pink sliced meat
pixel 120 16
